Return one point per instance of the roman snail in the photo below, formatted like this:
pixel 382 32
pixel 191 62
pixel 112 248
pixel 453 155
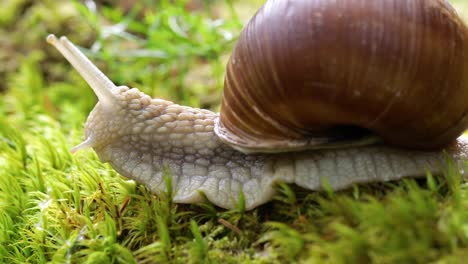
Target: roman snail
pixel 342 91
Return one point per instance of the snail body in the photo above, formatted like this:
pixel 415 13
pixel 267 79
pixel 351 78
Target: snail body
pixel 319 94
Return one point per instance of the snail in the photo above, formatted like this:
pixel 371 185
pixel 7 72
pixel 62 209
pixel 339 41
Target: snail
pixel 316 91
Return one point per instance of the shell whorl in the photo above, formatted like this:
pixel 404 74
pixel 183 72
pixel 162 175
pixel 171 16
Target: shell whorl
pixel 303 69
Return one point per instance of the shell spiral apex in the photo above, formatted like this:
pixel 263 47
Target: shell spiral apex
pixel 318 78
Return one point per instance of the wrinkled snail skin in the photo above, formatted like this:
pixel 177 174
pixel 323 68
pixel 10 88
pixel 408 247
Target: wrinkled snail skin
pixel 139 135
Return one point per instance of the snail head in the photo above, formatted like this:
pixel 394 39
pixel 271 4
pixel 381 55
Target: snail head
pixel 119 109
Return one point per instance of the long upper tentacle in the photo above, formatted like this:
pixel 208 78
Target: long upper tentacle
pixel 100 84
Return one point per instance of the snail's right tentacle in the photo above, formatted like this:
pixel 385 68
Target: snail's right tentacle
pixel 99 82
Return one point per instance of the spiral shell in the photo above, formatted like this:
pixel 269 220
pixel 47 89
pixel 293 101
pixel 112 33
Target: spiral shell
pixel 303 70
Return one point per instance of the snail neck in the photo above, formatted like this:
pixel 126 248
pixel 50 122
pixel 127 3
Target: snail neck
pixel 159 133
pixel 155 126
pixel 167 130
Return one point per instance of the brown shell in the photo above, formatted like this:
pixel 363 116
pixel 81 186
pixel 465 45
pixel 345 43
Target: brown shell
pixel 303 69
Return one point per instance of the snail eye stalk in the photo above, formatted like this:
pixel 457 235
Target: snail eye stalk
pixel 100 84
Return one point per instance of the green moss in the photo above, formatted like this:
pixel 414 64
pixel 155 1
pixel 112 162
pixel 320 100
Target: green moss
pixel 57 207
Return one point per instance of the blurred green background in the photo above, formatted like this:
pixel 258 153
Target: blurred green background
pixel 173 49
